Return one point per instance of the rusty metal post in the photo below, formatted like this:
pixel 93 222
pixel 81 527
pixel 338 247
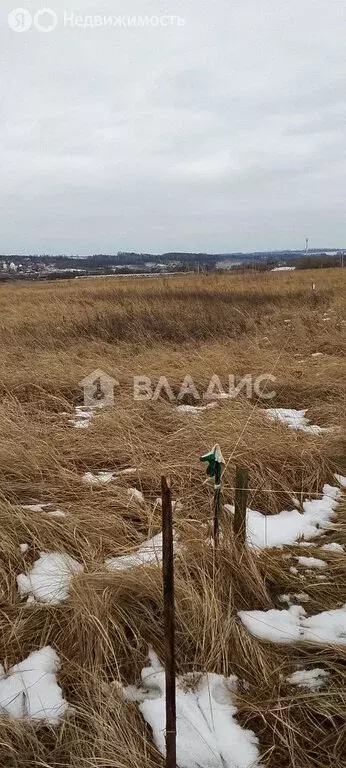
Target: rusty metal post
pixel 169 621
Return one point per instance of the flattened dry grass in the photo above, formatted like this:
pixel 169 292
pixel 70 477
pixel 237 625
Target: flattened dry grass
pixel 54 335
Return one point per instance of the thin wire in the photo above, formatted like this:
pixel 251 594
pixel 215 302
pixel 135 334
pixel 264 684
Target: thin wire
pixel 287 492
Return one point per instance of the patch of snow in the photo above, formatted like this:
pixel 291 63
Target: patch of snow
pixel 317 354
pixel 301 596
pixel 282 269
pixel 292 625
pixel 83 412
pixel 277 626
pixel 100 478
pixel 294 570
pixel 311 562
pixel 149 552
pixel 35 507
pixel 29 691
pixel 56 513
pixel 83 415
pixel 288 526
pixel 341 479
pixel 314 679
pixel 208 735
pixel 30 600
pixel 327 627
pixel 128 471
pixel 295 501
pixel 177 505
pixel 195 410
pixel 23 548
pixel 294 420
pixel 79 424
pixel 333 547
pixel 43 508
pixel 49 579
pixel 136 495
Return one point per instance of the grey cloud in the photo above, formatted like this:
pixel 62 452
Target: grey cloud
pixel 223 134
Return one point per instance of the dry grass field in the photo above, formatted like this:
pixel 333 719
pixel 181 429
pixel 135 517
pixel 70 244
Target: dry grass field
pixel 55 334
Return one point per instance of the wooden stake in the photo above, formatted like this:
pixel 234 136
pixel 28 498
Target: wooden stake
pixel 240 499
pixel 169 621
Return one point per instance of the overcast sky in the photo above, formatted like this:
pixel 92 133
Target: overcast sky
pixel 225 133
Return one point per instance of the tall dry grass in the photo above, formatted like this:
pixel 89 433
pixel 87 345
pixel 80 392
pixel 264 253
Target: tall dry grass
pixel 51 337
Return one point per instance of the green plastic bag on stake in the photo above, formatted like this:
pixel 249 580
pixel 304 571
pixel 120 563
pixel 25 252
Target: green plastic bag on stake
pixel 214 469
pixel 215 460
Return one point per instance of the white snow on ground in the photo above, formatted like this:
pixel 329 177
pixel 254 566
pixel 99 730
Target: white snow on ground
pixel 208 736
pixel 149 552
pixel 333 547
pixel 136 495
pixel 195 410
pixel 43 508
pixel 341 480
pixel 29 691
pixel 83 415
pixel 56 513
pixel 23 548
pixel 177 505
pixel 293 624
pixel 79 424
pixel 303 597
pixel 309 678
pixel 282 269
pixel 106 476
pixel 100 478
pixel 275 625
pixel 288 526
pixel 295 420
pixel 35 507
pixel 311 562
pixel 82 418
pixel 49 579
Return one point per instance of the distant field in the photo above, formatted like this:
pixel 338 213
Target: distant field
pixel 52 336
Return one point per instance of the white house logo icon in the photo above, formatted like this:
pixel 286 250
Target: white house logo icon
pixel 98 388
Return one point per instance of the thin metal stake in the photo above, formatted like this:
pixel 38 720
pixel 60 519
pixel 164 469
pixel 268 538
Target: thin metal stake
pixel 169 621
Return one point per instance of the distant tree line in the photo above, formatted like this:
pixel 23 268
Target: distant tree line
pixel 49 267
